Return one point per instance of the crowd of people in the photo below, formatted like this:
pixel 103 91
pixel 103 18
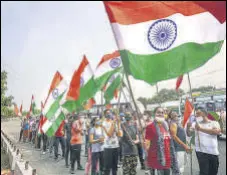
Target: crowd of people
pixel 115 140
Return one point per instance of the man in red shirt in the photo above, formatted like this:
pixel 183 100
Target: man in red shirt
pixel 59 137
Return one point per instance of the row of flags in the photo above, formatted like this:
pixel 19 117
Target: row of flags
pixel 156 41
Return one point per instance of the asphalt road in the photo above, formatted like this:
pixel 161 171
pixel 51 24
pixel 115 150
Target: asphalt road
pixel 44 164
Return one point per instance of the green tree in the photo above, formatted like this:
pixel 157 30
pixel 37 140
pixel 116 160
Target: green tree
pixel 163 96
pixel 6 101
pixel 204 89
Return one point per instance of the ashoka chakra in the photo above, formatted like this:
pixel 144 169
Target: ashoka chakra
pixel 162 34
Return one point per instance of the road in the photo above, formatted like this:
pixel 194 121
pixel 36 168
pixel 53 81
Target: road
pixel 44 164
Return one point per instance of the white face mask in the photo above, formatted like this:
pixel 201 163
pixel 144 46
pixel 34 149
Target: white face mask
pixel 160 119
pixel 199 119
pixel 66 120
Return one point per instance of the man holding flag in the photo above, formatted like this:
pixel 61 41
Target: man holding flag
pixel 206 143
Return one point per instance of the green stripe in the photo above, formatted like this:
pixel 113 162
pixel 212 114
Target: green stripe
pixel 55 125
pixel 214 115
pixel 33 107
pixel 54 107
pixel 169 64
pixel 109 94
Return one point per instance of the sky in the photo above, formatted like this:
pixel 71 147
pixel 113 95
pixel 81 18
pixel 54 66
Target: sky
pixel 39 38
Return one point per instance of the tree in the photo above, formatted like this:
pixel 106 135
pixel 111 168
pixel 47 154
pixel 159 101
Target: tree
pixel 144 101
pixel 204 89
pixel 163 96
pixel 6 101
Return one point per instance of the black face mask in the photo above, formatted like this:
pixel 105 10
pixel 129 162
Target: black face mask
pixel 109 116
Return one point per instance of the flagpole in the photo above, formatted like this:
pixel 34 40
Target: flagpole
pixel 121 89
pixel 126 100
pixel 190 88
pixel 129 85
pixel 102 101
pixel 156 88
pixel 156 85
pixel 131 97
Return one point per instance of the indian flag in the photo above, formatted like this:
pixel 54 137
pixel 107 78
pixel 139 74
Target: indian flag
pixel 188 112
pixel 16 110
pixel 52 109
pixel 32 106
pixel 112 89
pixel 162 40
pixel 109 65
pixel 82 87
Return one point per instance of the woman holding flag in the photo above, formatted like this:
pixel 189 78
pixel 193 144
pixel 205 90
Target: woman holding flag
pixel 179 138
pixel 160 147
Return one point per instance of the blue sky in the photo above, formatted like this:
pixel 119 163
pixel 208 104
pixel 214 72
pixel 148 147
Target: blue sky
pixel 39 38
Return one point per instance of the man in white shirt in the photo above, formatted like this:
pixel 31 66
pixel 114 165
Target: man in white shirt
pixel 206 143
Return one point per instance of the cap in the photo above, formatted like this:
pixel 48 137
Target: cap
pixel 121 114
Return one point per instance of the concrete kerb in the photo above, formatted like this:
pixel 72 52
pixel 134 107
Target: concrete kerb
pixel 17 163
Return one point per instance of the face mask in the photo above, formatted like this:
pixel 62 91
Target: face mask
pixel 145 117
pixel 160 119
pixel 199 119
pixel 66 120
pixel 109 116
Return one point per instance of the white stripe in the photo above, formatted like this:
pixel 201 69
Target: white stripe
pixel 61 88
pixel 87 73
pixel 49 123
pixel 200 28
pixel 110 83
pixel 104 67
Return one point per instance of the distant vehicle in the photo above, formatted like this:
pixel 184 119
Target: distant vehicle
pixel 212 101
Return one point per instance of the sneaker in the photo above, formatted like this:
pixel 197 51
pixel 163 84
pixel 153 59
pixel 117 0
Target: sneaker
pixel 72 171
pixel 147 172
pixel 67 166
pixel 143 167
pixel 44 153
pixel 80 167
pixel 55 158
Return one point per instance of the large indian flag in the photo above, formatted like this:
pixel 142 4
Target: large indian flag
pixel 52 109
pixel 82 87
pixel 109 65
pixel 162 40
